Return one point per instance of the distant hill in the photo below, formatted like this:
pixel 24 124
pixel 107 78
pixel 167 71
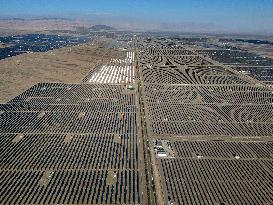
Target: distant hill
pixel 12 19
pixel 101 27
pixel 35 19
pixel 52 19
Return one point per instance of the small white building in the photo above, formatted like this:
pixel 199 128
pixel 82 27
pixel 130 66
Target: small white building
pixel 161 154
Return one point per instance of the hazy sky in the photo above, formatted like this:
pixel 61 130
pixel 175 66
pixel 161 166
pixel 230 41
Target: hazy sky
pixel 197 15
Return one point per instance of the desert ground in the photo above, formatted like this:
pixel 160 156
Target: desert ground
pixel 68 65
pixel 3 45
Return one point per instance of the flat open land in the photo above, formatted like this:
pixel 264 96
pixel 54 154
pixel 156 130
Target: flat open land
pixel 163 121
pixel 68 64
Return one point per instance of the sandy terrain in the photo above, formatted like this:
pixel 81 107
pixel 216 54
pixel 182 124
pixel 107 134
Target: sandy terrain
pixel 67 65
pixel 3 45
pixel 263 50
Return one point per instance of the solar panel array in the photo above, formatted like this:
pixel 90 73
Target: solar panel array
pixel 212 117
pixel 213 181
pixel 189 99
pixel 117 71
pixel 71 144
pixel 80 143
pixel 244 62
